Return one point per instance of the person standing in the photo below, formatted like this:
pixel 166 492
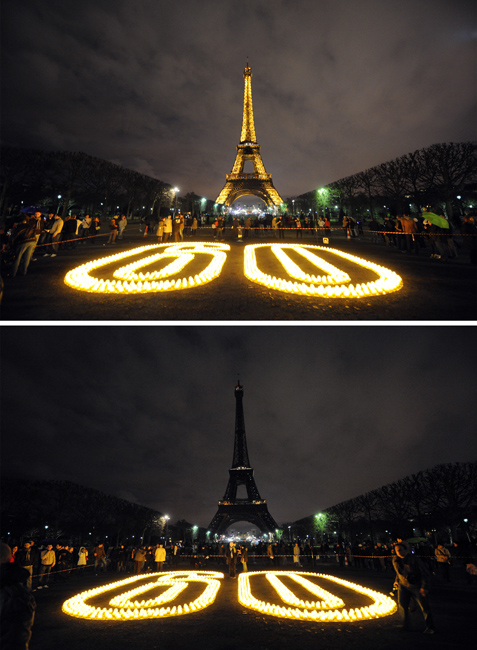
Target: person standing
pixel 409 229
pixel 69 232
pixel 82 557
pixel 247 226
pixel 17 611
pixel 160 556
pixel 231 556
pixel 296 554
pixel 299 230
pixel 54 236
pixel 26 558
pixel 84 228
pixel 113 230
pixel 176 227
pixel 99 558
pixel 122 559
pixel 274 227
pixel 48 561
pixel 94 230
pixel 160 230
pixel 123 222
pixel 469 238
pixel 443 558
pixel 139 559
pixel 24 243
pixel 244 558
pixel 412 583
pixel 216 227
pixel 167 228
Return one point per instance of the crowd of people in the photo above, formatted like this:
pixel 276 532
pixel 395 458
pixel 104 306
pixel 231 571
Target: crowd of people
pixel 30 567
pixel 58 561
pixel 27 235
pixel 45 235
pixel 413 235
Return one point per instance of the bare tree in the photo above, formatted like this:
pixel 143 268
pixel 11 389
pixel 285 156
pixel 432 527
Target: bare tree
pixel 449 167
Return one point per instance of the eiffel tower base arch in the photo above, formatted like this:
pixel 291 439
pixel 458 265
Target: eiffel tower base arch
pixel 264 190
pixel 257 515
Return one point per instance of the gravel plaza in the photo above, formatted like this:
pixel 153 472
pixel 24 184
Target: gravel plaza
pixel 228 625
pixel 431 290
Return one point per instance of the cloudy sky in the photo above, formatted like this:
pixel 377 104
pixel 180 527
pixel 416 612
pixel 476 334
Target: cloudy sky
pixel 148 413
pixel 157 86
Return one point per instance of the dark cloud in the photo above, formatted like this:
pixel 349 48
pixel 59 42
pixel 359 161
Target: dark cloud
pixel 157 86
pixel 148 413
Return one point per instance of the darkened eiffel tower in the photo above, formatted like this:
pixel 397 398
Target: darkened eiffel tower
pixel 252 508
pixel 258 183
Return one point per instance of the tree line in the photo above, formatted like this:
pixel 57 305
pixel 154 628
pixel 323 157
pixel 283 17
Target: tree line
pixel 74 181
pixel 442 176
pixel 440 503
pixel 61 509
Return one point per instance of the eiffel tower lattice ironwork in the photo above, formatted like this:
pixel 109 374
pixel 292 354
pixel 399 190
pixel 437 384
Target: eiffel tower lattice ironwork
pixel 238 183
pixel 252 508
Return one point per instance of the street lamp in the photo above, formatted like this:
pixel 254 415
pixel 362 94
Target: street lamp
pixel 175 190
pixel 59 200
pixel 293 201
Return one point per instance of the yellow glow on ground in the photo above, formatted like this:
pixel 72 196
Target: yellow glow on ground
pixel 127 280
pixel 127 607
pixel 328 609
pixel 311 285
pixel 333 283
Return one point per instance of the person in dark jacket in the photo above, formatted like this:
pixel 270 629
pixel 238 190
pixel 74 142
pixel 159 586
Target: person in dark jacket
pixel 27 558
pixel 412 582
pixel 17 603
pixel 469 237
pixel 231 555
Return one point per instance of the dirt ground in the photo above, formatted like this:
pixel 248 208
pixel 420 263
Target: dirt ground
pixel 227 625
pixel 432 291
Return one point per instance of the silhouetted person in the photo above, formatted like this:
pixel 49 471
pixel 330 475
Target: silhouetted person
pixel 17 604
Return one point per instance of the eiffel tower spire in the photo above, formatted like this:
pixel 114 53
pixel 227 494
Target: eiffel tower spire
pixel 238 183
pixel 248 125
pixel 231 508
pixel 240 445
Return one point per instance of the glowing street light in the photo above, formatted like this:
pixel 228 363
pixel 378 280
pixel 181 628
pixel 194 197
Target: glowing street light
pixel 175 190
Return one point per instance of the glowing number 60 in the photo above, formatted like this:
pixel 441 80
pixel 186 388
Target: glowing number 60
pixel 333 283
pixel 323 607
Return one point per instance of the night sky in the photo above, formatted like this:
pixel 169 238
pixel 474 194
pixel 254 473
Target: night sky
pixel 156 86
pixel 148 413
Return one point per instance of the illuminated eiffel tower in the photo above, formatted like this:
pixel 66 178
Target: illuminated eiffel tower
pixel 252 508
pixel 259 183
